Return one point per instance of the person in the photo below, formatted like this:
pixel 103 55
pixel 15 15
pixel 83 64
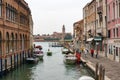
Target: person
pixel 78 56
pixel 92 52
pixel 85 52
pixel 97 53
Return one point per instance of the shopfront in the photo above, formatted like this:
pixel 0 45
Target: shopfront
pixel 114 49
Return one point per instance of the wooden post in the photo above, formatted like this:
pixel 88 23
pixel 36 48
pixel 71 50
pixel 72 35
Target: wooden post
pixel 103 73
pixel 100 72
pixel 96 71
pixel 14 61
pixel 11 62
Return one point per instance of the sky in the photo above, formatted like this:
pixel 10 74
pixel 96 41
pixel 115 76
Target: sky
pixel 50 15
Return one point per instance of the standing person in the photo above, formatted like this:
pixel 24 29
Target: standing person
pixel 85 52
pixel 97 53
pixel 78 56
pixel 92 52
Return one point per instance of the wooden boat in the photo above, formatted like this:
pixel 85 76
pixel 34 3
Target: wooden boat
pixel 32 60
pixel 70 58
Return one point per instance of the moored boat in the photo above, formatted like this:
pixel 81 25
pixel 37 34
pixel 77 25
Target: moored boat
pixel 38 52
pixel 70 59
pixel 86 78
pixel 32 60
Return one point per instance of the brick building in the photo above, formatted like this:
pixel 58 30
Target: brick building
pixel 14 33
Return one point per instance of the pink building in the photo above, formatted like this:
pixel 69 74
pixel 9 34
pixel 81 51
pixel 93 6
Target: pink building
pixel 113 29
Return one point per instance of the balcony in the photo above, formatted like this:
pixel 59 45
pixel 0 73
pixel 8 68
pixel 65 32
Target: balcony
pixel 99 9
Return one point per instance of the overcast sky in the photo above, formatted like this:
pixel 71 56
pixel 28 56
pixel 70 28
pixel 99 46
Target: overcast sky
pixel 50 15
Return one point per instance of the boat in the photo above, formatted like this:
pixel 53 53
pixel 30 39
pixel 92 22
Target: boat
pixel 38 52
pixel 49 53
pixel 32 60
pixel 56 45
pixel 39 47
pixel 70 58
pixel 64 50
pixel 86 78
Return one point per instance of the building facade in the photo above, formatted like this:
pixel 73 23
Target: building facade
pixel 113 29
pixel 101 27
pixel 78 28
pixel 14 33
pixel 89 18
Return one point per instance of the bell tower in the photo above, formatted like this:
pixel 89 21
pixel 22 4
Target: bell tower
pixel 63 32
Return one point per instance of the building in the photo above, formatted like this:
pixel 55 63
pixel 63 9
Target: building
pixel 14 33
pixel 101 27
pixel 78 28
pixel 89 18
pixel 31 30
pixel 113 29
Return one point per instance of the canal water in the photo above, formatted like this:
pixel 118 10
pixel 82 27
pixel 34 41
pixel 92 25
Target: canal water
pixel 50 68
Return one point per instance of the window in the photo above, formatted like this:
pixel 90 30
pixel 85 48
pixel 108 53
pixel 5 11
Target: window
pixel 113 10
pixel 0 8
pixel 7 42
pixel 11 13
pixel 116 51
pixel 109 34
pixel 117 32
pixel 114 32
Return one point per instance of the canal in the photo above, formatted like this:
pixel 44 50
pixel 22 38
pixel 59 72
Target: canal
pixel 50 68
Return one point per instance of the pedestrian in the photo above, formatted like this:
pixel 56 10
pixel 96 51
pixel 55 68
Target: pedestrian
pixel 92 52
pixel 78 56
pixel 97 54
pixel 85 52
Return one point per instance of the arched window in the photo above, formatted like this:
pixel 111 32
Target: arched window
pixel 23 45
pixel 20 41
pixel 7 42
pixel 0 44
pixel 16 41
pixel 12 42
pixel 26 41
pixel 0 8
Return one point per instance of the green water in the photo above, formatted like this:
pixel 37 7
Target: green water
pixel 51 68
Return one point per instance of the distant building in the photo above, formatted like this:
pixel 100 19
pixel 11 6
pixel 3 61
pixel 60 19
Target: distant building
pixel 56 36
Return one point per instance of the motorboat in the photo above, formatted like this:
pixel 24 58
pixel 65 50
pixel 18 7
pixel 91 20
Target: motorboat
pixel 70 58
pixel 64 50
pixel 86 78
pixel 37 52
pixel 49 53
pixel 32 60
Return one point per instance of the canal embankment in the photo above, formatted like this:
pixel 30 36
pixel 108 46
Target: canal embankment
pixel 112 70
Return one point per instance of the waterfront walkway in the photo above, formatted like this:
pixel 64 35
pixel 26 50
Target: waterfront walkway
pixel 112 68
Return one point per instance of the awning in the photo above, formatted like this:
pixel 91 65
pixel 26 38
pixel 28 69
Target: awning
pixel 90 39
pixel 98 38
